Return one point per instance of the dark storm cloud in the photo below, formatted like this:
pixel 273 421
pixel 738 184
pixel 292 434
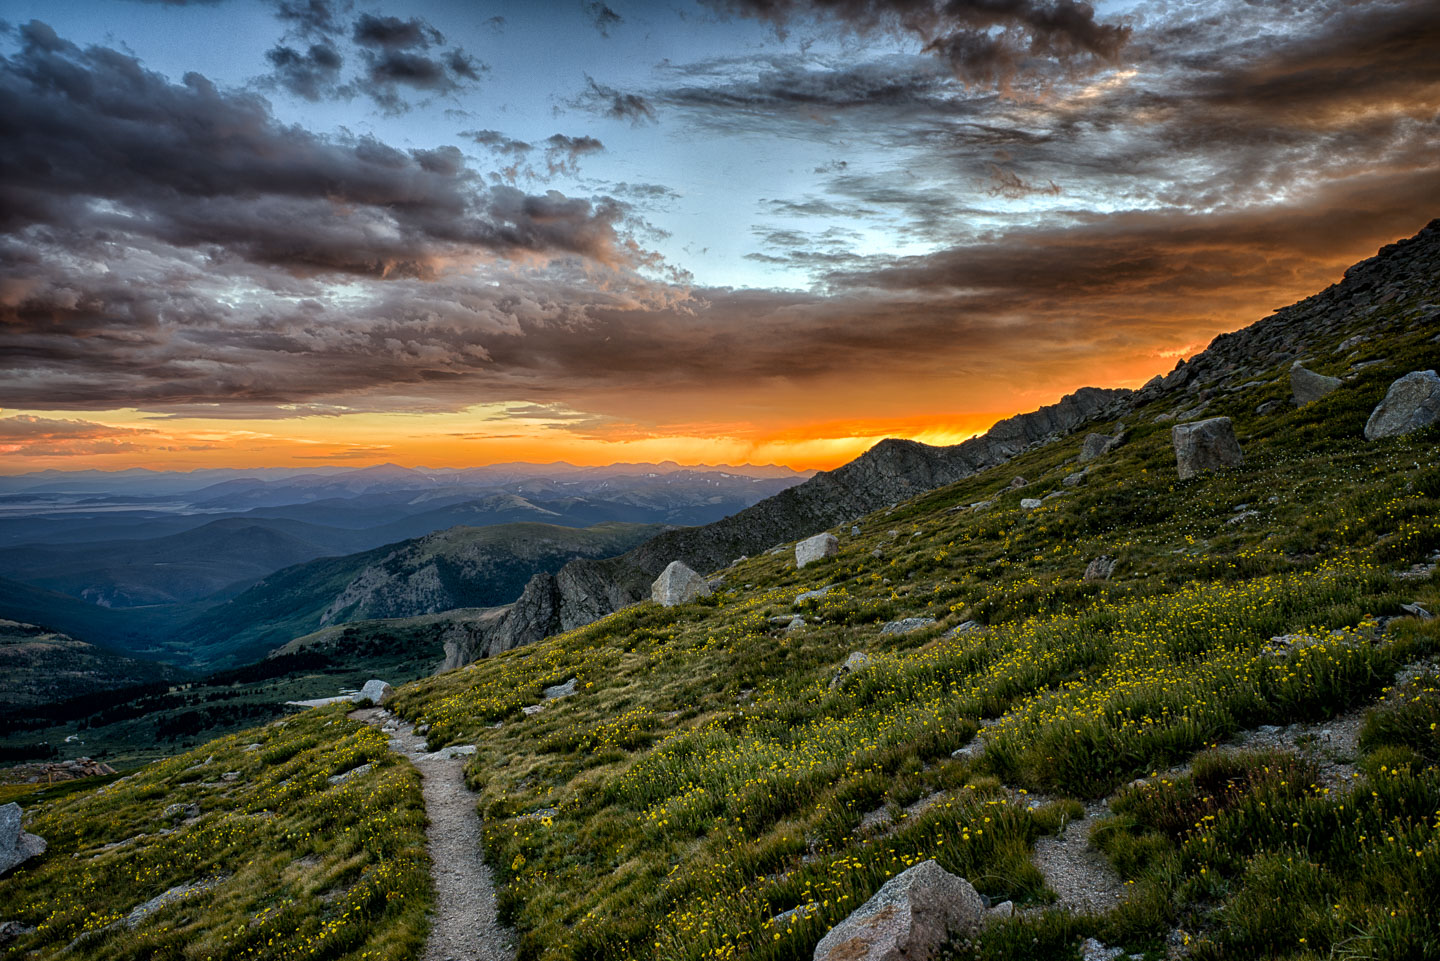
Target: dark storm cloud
pixel 982 41
pixel 392 33
pixel 615 104
pixel 600 16
pixel 312 75
pixel 95 147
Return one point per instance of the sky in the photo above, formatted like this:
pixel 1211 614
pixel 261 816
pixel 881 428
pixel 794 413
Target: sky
pixel 253 233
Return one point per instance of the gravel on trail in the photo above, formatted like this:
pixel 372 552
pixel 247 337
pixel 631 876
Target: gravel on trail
pixel 465 926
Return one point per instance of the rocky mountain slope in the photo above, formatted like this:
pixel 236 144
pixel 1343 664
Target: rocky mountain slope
pixel 462 567
pixel 585 590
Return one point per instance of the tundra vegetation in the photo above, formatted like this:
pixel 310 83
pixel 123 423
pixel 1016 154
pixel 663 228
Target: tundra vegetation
pixel 717 787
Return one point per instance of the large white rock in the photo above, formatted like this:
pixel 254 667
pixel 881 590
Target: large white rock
pixel 1412 402
pixel 375 691
pixel 907 920
pixel 678 584
pixel 1307 386
pixel 15 845
pixel 816 548
pixel 1205 445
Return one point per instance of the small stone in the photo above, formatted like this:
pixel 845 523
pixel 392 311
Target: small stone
pixel 1074 480
pixel 906 625
pixel 1017 483
pixel 814 595
pixel 1099 569
pixel 353 772
pixel 1092 950
pixel 1030 503
pixel 181 811
pixel 964 627
pixel 1417 611
pixel 560 690
pixel 816 548
pixel 854 531
pixel 1003 910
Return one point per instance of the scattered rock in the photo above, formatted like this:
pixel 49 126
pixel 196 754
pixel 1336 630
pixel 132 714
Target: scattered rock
pixel 964 627
pixel 908 919
pixel 1205 445
pixel 230 776
pixel 1030 503
pixel 795 624
pixel 11 931
pixel 878 554
pixel 177 893
pixel 1003 910
pixel 814 595
pixel 181 812
pixel 742 557
pixel 1412 402
pixel 678 584
pixel 906 625
pixel 1099 569
pixel 1242 517
pixel 1267 407
pixel 1017 483
pixel 1074 480
pixel 855 662
pixel 1306 386
pixel 1092 950
pixel 1417 611
pixel 560 690
pixel 455 750
pixel 1097 445
pixel 375 691
pixel 529 710
pixel 15 845
pixel 353 772
pixel 816 548
pixel 854 530
pixel 1352 342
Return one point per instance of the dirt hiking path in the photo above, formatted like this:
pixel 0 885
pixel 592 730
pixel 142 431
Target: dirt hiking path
pixel 465 927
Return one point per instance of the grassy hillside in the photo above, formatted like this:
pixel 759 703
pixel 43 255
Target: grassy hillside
pixel 286 863
pixel 709 777
pixel 38 666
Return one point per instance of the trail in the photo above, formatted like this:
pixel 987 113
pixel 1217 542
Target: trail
pixel 465 926
pixel 1079 875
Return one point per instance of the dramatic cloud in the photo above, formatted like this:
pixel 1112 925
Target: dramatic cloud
pixel 97 146
pixel 983 41
pixel 612 103
pixel 28 436
pixel 310 18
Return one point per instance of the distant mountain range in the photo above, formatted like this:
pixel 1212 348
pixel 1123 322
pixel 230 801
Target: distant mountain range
pixel 129 558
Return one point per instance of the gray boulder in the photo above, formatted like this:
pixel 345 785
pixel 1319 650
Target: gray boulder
pixel 1205 445
pixel 15 845
pixel 678 584
pixel 1074 480
pixel 906 624
pixel 375 691
pixel 1307 386
pixel 1099 569
pixel 555 691
pixel 1096 445
pixel 816 548
pixel 908 919
pixel 1412 402
pixel 857 661
pixel 1030 503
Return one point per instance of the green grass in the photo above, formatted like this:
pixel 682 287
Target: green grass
pixel 310 869
pixel 713 790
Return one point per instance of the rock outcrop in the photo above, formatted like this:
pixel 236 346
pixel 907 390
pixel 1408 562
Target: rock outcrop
pixel 1306 386
pixel 816 548
pixel 908 919
pixel 375 691
pixel 1412 402
pixel 16 846
pixel 1205 445
pixel 678 584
